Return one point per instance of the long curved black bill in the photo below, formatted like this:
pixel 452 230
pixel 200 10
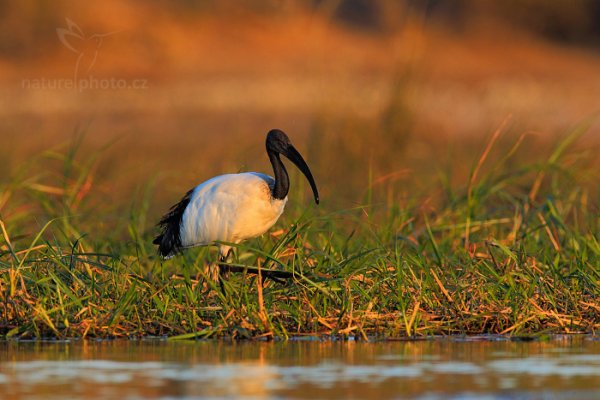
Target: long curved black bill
pixel 294 156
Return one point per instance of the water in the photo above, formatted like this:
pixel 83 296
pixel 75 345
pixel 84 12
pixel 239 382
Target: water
pixel 567 367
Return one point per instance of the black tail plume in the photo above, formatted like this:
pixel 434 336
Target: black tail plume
pixel 169 240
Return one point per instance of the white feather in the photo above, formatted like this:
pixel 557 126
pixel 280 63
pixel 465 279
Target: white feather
pixel 230 208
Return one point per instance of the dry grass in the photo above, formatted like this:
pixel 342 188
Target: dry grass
pixel 514 249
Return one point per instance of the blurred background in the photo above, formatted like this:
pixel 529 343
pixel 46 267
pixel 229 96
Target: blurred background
pixel 371 91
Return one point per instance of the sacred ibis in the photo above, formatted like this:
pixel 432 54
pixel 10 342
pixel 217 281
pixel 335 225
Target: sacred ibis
pixel 233 207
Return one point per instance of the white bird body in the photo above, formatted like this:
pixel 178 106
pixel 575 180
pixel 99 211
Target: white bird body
pixel 233 207
pixel 230 208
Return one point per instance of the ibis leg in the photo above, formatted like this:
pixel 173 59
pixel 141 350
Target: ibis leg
pixel 223 270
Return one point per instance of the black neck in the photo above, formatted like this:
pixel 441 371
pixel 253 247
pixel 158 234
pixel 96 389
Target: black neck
pixel 282 181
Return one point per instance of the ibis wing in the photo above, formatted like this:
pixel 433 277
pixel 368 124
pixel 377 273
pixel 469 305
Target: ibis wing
pixel 229 208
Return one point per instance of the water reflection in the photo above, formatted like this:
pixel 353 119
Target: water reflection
pixel 568 367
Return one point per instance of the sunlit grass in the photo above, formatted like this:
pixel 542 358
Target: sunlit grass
pixel 513 248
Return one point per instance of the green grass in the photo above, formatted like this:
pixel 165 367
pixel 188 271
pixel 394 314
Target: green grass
pixel 511 246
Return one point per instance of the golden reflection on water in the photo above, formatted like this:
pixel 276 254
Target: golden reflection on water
pixel 565 367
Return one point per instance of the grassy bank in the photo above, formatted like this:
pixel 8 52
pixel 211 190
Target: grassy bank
pixel 509 245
